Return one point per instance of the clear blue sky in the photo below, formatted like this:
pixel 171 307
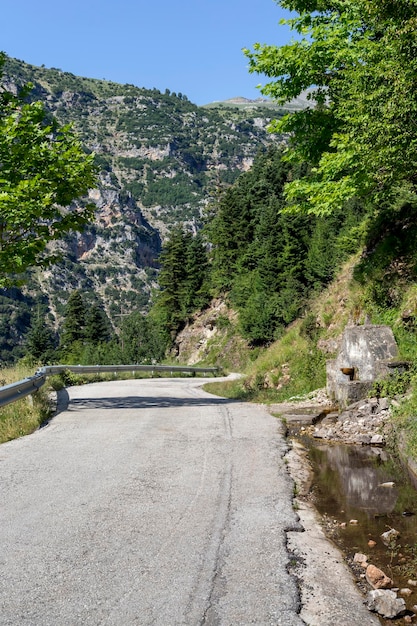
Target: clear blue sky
pixel 188 46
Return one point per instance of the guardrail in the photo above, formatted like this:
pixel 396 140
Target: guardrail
pixel 27 386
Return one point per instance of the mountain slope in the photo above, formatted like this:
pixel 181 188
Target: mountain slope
pixel 162 159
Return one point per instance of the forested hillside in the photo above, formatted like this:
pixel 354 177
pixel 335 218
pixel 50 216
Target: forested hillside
pixel 343 189
pixel 265 261
pixel 160 159
pixel 203 203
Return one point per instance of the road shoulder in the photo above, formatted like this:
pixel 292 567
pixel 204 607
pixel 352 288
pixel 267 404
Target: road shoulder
pixel 328 592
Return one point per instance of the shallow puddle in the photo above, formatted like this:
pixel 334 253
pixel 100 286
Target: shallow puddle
pixel 363 483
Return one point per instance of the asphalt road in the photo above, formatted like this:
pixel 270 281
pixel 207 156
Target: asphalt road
pixel 150 503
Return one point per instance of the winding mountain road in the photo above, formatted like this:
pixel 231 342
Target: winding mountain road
pixel 147 502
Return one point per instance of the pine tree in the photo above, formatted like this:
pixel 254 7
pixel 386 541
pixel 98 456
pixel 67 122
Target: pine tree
pixel 197 274
pixel 97 325
pixel 74 321
pixel 40 341
pixel 141 340
pixel 172 280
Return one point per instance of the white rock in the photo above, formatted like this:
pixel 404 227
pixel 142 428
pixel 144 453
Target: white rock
pixel 389 536
pixel 360 558
pixel 405 592
pixel 377 440
pixel 386 603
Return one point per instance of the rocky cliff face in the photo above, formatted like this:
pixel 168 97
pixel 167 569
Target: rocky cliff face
pixel 162 160
pixel 116 258
pixel 210 336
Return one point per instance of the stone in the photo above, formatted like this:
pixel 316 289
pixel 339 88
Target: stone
pixel 412 583
pixel 383 404
pixel 366 349
pixel 305 418
pixel 320 433
pixel 389 536
pixel 377 440
pixel 331 418
pixel 355 425
pixel 353 522
pixel 386 603
pixel 405 592
pixel 365 440
pixel 371 543
pixel 361 559
pixel 377 578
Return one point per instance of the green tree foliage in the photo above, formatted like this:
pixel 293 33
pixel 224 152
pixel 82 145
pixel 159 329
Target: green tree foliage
pixel 183 279
pixel 258 250
pixel 141 340
pixel 197 270
pixel 267 259
pixel 75 320
pixel 43 168
pixel 40 341
pixel 359 59
pixel 15 320
pixel 97 325
pixel 86 336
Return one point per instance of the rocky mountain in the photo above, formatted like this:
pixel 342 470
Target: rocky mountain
pixel 162 159
pixel 301 102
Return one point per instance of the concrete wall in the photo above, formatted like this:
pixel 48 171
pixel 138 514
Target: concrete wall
pixel 366 349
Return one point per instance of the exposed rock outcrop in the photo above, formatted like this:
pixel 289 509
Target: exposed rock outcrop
pixel 205 329
pixel 160 157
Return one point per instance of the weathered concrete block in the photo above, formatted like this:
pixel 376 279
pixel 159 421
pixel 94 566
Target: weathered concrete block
pixel 364 353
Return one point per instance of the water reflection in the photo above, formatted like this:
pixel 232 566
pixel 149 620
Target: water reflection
pixel 356 474
pixel 347 485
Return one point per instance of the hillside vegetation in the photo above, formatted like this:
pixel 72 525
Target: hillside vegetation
pixel 267 244
pixel 161 159
pixel 344 191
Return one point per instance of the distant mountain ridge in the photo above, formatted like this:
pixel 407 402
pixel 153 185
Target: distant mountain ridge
pixel 162 159
pixel 301 102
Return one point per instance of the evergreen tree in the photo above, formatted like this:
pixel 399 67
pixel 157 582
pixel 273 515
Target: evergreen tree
pixel 267 259
pixel 197 282
pixel 141 340
pixel 40 341
pixel 97 325
pixel 172 278
pixel 183 280
pixel 74 321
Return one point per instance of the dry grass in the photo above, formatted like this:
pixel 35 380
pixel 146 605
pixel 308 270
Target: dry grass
pixel 341 303
pixel 26 415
